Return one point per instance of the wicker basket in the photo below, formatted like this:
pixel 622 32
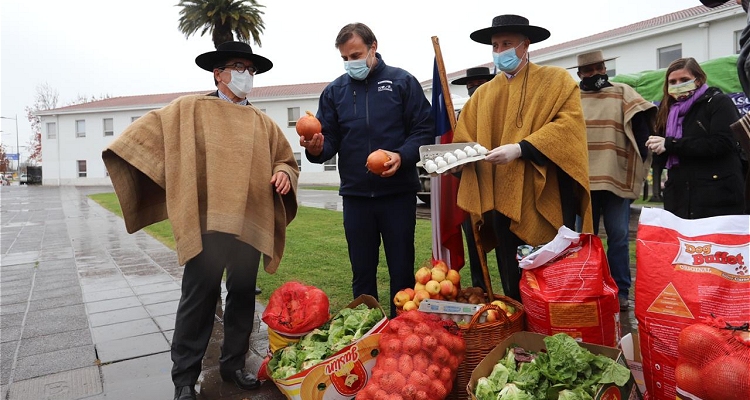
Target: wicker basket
pixel 481 338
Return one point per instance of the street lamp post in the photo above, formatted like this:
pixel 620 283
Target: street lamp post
pixel 18 149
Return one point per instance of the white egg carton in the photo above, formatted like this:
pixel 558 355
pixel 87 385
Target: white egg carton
pixel 460 313
pixel 434 152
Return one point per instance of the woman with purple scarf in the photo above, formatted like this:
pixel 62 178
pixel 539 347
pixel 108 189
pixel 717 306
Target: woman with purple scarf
pixel 704 173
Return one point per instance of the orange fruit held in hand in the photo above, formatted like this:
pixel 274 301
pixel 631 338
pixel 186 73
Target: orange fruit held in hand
pixel 307 125
pixel 376 162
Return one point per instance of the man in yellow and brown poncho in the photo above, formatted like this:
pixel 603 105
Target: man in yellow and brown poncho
pixel 224 174
pixel 535 178
pixel 618 123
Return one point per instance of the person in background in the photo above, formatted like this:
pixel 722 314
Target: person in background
pixel 741 128
pixel 535 179
pixel 618 123
pixel 475 77
pixel 696 145
pixel 374 106
pixel 172 163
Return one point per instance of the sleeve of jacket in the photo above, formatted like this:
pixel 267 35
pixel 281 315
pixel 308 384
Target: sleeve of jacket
pixel 328 116
pixel 721 112
pixel 419 123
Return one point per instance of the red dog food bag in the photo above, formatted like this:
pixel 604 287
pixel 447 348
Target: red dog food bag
pixel 687 270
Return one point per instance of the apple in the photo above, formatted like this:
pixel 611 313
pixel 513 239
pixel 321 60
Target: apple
pixel 400 298
pixel 423 275
pixel 454 277
pixel 410 292
pixel 492 316
pixel 446 288
pixel 441 265
pixel 438 275
pixel 437 296
pixel 432 287
pixel 418 286
pixel 501 304
pixel 410 305
pixel 420 295
pixel 454 294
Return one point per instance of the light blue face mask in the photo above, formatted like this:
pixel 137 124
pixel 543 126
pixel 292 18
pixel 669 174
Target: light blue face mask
pixel 358 69
pixel 506 60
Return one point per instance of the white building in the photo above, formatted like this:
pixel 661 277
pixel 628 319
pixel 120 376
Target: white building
pixel 73 137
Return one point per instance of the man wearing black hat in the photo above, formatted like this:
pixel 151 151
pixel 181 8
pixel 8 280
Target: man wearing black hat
pixel 618 123
pixel 374 106
pixel 474 78
pixel 535 178
pixel 172 163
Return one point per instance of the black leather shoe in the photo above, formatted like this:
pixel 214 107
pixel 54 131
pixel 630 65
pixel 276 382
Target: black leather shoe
pixel 184 393
pixel 243 380
pixel 258 291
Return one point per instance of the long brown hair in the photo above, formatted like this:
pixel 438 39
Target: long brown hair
pixel 692 66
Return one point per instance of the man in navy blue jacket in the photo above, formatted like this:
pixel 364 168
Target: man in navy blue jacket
pixel 374 106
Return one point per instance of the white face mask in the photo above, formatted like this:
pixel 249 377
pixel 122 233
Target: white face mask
pixel 241 84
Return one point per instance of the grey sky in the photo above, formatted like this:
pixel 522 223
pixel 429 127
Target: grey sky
pixel 122 48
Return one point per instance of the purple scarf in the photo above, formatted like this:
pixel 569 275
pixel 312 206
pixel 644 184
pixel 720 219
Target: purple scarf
pixel 676 115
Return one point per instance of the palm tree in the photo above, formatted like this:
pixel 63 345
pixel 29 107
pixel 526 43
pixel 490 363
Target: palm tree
pixel 223 18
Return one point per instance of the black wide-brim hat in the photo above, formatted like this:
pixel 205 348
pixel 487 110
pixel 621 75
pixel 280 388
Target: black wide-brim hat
pixel 510 23
pixel 229 50
pixel 474 74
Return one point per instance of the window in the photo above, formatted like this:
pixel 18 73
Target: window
pixel 611 68
pixel 51 130
pixel 292 116
pixel 81 168
pixel 132 119
pixel 669 54
pixel 80 128
pixel 330 165
pixel 737 36
pixel 298 158
pixel 263 110
pixel 108 127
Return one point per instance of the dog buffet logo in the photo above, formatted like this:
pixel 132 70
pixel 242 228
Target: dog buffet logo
pixel 727 261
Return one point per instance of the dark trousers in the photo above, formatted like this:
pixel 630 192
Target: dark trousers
pixel 201 286
pixel 367 220
pixel 505 252
pixel 477 276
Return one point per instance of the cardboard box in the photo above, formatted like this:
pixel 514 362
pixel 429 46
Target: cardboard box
pixel 535 342
pixel 631 349
pixel 342 375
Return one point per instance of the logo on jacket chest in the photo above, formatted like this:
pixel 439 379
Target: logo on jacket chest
pixel 385 85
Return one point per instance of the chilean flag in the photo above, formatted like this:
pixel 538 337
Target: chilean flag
pixel 447 240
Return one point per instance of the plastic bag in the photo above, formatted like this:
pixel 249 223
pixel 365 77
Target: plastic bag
pixel 419 357
pixel 295 308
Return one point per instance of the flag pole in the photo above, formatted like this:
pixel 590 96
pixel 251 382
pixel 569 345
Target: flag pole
pixel 452 119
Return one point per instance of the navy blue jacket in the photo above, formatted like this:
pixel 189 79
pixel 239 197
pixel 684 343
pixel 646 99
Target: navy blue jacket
pixel 388 111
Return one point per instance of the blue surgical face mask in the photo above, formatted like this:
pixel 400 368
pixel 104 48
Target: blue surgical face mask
pixel 507 60
pixel 358 69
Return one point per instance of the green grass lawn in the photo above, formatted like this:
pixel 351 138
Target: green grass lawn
pixel 316 254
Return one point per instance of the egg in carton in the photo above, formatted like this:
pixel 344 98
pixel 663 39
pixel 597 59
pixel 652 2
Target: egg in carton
pixel 440 158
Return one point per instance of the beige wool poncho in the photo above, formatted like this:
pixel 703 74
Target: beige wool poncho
pixel 206 164
pixel 552 121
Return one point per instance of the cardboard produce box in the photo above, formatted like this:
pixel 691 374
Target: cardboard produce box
pixel 534 342
pixel 342 375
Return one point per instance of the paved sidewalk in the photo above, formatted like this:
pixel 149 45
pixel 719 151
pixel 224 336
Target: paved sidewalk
pixel 87 310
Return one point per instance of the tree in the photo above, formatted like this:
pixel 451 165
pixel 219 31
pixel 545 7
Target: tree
pixel 45 99
pixel 4 162
pixel 222 18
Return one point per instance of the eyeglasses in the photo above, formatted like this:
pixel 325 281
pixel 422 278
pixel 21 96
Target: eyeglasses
pixel 241 68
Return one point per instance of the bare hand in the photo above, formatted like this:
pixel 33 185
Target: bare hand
pixel 504 154
pixel 314 146
pixel 656 144
pixel 393 164
pixel 281 183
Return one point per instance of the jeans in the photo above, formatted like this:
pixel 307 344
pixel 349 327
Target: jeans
pixel 616 214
